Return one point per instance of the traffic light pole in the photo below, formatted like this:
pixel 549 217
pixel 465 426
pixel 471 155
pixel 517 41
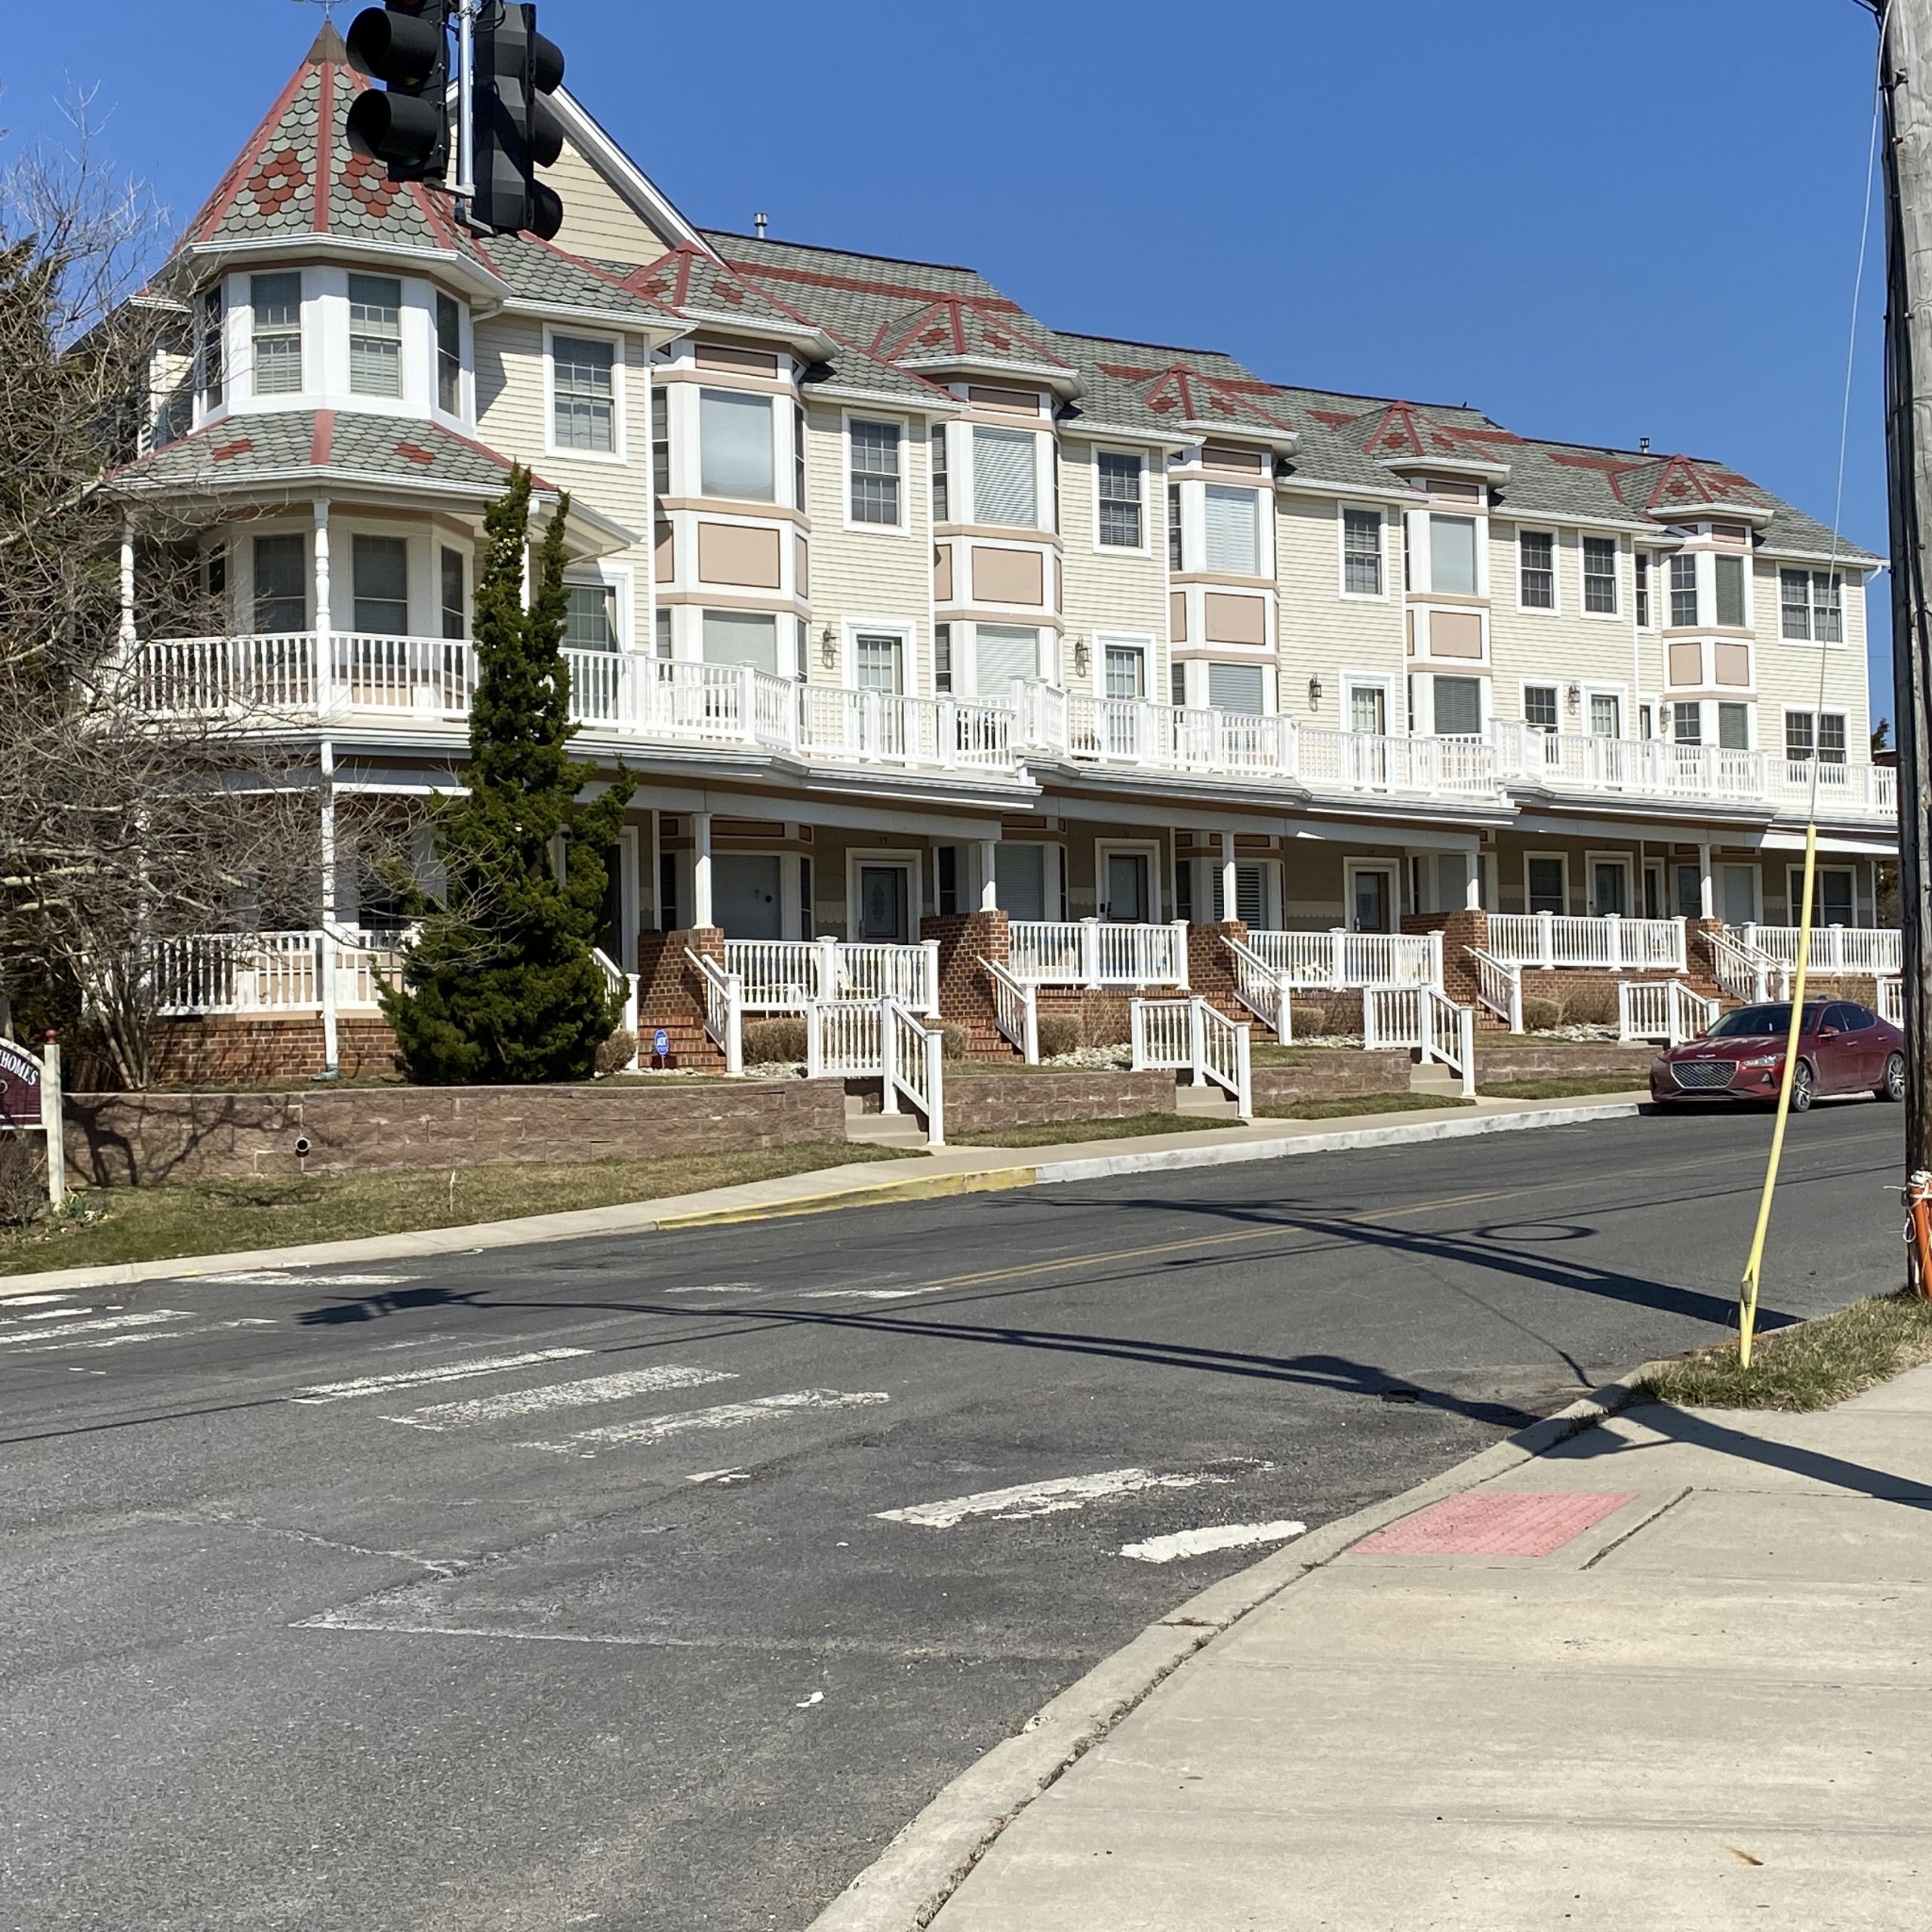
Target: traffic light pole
pixel 1906 86
pixel 464 185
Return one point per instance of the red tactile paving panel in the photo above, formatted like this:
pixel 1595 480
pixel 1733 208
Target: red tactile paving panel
pixel 1496 1525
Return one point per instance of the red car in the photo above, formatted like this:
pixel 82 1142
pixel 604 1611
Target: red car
pixel 1843 1049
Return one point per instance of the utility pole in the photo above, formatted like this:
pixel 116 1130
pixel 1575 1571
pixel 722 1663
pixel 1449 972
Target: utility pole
pixel 1906 79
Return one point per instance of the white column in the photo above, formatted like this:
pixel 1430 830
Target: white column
pixel 1228 905
pixel 701 869
pixel 1472 881
pixel 1707 893
pixel 127 582
pixel 988 875
pixel 324 614
pixel 325 962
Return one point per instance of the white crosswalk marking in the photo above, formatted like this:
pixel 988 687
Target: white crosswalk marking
pixel 411 1378
pixel 146 1317
pixel 281 1278
pixel 726 1415
pixel 517 1403
pixel 9 1303
pixel 1219 1536
pixel 1038 1499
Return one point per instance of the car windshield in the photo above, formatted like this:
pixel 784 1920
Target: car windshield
pixel 1757 1021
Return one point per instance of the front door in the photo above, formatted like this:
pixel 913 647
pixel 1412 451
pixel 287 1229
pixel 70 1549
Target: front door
pixel 746 897
pixel 1127 895
pixel 1610 887
pixel 884 907
pixel 1372 900
pixel 1737 894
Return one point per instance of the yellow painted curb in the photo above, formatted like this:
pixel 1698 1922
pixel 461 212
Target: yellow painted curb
pixel 932 1187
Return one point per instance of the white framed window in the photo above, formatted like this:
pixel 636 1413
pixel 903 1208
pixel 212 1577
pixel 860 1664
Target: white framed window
pixel 1001 653
pixel 1734 728
pixel 1536 556
pixel 1452 554
pixel 1233 524
pixel 211 348
pixel 1600 576
pixel 1606 713
pixel 375 335
pixel 1834 895
pixel 734 431
pixel 1546 883
pixel 941 479
pixel 449 355
pixel 741 637
pixel 878 662
pixel 1639 561
pixel 590 616
pixel 1811 606
pixel 1456 706
pixel 1124 669
pixel 1174 548
pixel 1361 553
pixel 1006 483
pixel 876 494
pixel 1118 486
pixel 1727 575
pixel 1238 687
pixel 1541 708
pixel 1365 705
pixel 1687 723
pixel 379 578
pixel 942 658
pixel 1683 591
pixel 276 301
pixel 585 418
pixel 1610 880
pixel 282 583
pixel 660 441
pixel 453 592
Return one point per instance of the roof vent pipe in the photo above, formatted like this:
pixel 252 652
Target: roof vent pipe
pixel 758 222
pixel 1643 442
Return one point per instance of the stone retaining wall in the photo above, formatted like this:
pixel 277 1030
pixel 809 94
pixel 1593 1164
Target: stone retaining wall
pixel 114 1139
pixel 1564 1060
pixel 1332 1073
pixel 976 1102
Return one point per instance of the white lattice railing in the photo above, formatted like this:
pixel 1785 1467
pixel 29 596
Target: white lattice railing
pixel 1891 1001
pixel 1191 1034
pixel 1498 987
pixel 1016 1010
pixel 1267 990
pixel 1096 952
pixel 724 1008
pixel 785 975
pixel 1664 1009
pixel 1340 958
pixel 1609 943
pixel 854 1039
pixel 1876 950
pixel 1746 972
pixel 1424 1018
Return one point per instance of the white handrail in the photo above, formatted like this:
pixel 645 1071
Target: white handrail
pixel 1426 1019
pixel 1499 986
pixel 1891 1000
pixel 786 975
pixel 854 1039
pixel 1191 1033
pixel 724 1008
pixel 1264 989
pixel 1666 1010
pixel 1016 1010
pixel 620 981
pixel 310 970
pixel 1746 972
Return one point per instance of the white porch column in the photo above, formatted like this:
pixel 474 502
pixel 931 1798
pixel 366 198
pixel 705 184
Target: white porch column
pixel 126 584
pixel 701 869
pixel 325 962
pixel 1707 892
pixel 324 612
pixel 1472 880
pixel 1228 897
pixel 988 875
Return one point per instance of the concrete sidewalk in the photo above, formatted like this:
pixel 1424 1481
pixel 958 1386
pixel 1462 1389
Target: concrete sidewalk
pixel 951 1171
pixel 1704 1703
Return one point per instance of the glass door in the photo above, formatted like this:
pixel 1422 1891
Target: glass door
pixel 1372 900
pixel 883 905
pixel 1128 898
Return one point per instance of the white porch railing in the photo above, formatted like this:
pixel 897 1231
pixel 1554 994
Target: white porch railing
pixel 1191 1033
pixel 1498 987
pixel 1854 791
pixel 1368 761
pixel 625 983
pixel 1876 950
pixel 1096 952
pixel 1264 989
pixel 1664 1009
pixel 1891 1001
pixel 288 972
pixel 1610 943
pixel 786 975
pixel 1016 1010
pixel 1746 972
pixel 870 726
pixel 854 1039
pixel 1424 1018
pixel 724 1008
pixel 1340 959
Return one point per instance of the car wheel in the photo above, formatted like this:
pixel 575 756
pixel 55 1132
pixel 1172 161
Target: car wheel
pixel 1892 1088
pixel 1803 1088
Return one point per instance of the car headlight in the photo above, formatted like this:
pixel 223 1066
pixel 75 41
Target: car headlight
pixel 1763 1059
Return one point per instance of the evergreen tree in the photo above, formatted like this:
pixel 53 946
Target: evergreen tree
pixel 500 985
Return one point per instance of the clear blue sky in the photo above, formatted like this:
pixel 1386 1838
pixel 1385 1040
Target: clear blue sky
pixel 1597 224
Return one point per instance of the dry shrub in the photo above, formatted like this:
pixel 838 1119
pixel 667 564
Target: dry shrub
pixel 22 1184
pixel 1326 1013
pixel 773 1042
pixel 953 1041
pixel 617 1053
pixel 1059 1033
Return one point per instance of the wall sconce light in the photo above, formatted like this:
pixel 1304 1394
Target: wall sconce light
pixel 1083 658
pixel 1573 697
pixel 828 648
pixel 1315 694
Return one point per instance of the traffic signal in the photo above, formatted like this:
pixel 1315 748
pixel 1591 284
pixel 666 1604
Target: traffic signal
pixel 516 130
pixel 404 44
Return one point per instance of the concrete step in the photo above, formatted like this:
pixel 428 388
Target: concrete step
pixel 1206 1102
pixel 1432 1077
pixel 886 1130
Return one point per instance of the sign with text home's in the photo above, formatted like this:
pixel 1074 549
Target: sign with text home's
pixel 19 1087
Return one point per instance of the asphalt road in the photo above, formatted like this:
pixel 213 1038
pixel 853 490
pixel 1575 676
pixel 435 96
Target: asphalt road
pixel 551 1588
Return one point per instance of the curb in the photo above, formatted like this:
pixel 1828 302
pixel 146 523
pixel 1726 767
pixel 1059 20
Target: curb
pixel 637 1218
pixel 907 1886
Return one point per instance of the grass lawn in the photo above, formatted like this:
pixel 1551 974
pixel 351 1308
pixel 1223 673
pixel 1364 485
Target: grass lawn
pixel 1808 1367
pixel 217 1217
pixel 1341 1105
pixel 1264 1052
pixel 1055 1133
pixel 1563 1086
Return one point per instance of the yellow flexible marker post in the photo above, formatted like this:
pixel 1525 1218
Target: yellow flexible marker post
pixel 1747 1293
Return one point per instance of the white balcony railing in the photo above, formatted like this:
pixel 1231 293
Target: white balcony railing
pixel 1096 952
pixel 1609 943
pixel 787 976
pixel 1341 959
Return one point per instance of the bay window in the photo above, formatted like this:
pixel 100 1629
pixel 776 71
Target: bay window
pixel 734 446
pixel 381 576
pixel 1452 553
pixel 281 584
pixel 1683 592
pixel 1233 527
pixel 375 335
pixel 276 300
pixel 1005 482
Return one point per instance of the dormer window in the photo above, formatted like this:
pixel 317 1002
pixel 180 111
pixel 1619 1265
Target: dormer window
pixel 449 355
pixel 276 300
pixel 375 335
